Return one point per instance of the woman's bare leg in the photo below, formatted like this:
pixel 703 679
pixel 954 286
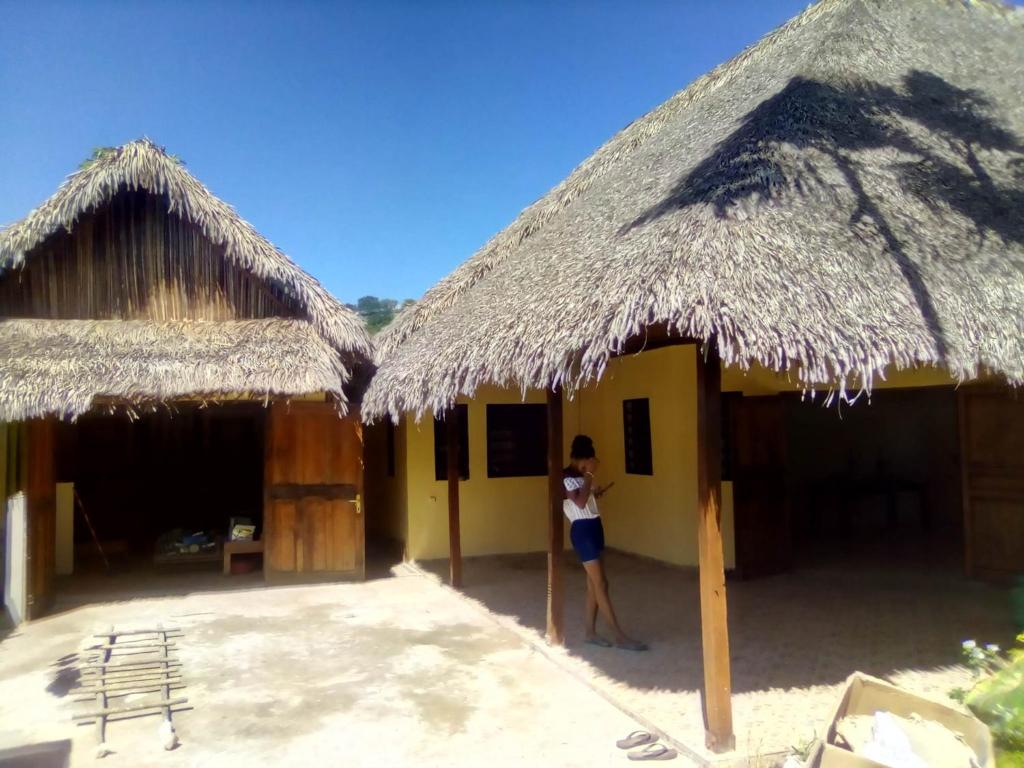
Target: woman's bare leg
pixel 598 586
pixel 590 617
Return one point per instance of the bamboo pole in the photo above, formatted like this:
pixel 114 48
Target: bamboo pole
pixel 132 666
pixel 108 711
pixel 133 648
pixel 155 674
pixel 130 646
pixel 127 632
pixel 124 688
pixel 166 694
pixel 101 702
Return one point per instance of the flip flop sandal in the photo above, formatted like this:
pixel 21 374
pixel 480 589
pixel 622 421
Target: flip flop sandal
pixel 633 645
pixel 599 641
pixel 653 752
pixel 636 739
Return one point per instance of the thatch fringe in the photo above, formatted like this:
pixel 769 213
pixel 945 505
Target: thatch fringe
pixel 844 196
pixel 62 367
pixel 141 165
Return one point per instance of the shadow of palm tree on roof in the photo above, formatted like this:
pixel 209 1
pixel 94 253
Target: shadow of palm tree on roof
pixel 932 130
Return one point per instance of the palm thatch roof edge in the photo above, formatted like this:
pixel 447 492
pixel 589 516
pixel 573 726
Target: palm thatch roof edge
pixel 62 367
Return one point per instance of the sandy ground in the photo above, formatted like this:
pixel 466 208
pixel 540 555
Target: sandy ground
pixel 794 638
pixel 391 672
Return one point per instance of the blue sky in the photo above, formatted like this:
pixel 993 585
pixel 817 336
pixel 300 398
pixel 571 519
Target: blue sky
pixel 378 144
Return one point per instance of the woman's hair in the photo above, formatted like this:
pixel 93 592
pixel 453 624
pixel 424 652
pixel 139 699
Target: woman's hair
pixel 582 448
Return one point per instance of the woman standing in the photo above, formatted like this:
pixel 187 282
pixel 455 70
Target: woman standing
pixel 587 536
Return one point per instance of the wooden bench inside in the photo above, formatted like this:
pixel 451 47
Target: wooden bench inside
pixel 240 548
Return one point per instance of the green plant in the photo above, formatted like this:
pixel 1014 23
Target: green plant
pixel 98 153
pixel 803 748
pixel 997 696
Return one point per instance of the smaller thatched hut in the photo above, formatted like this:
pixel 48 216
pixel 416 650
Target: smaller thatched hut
pixel 150 334
pixel 134 236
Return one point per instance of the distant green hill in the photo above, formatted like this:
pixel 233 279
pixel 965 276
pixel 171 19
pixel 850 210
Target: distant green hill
pixel 379 312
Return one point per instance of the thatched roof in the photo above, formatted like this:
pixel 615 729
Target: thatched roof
pixel 141 165
pixel 846 194
pixel 61 367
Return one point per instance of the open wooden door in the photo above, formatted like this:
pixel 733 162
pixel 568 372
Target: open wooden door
pixel 30 507
pixel 313 523
pixel 16 557
pixel 761 520
pixel 992 465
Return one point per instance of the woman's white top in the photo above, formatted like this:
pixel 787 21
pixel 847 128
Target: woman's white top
pixel 572 511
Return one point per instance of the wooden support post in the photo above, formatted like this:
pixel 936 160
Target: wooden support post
pixel 102 701
pixel 556 543
pixel 713 615
pixel 452 428
pixel 41 505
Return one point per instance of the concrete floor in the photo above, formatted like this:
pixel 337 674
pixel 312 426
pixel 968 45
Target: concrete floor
pixel 395 671
pixel 794 638
pixel 400 670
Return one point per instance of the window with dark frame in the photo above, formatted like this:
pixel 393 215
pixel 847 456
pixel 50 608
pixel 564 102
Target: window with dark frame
pixel 391 429
pixel 636 430
pixel 441 445
pixel 517 440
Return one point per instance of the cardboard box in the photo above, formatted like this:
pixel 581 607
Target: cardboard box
pixel 866 695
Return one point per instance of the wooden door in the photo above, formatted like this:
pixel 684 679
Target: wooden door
pixel 761 520
pixel 313 519
pixel 992 466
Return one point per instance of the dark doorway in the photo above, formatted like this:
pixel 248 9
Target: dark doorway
pixel 173 472
pixel 875 482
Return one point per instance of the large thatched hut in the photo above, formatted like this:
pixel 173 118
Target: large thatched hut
pixel 839 209
pixel 163 357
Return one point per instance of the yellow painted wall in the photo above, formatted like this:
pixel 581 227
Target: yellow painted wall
pixel 653 516
pixel 498 515
pixel 650 515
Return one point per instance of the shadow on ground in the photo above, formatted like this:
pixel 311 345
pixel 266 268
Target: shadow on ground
pixel 812 627
pixel 134 577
